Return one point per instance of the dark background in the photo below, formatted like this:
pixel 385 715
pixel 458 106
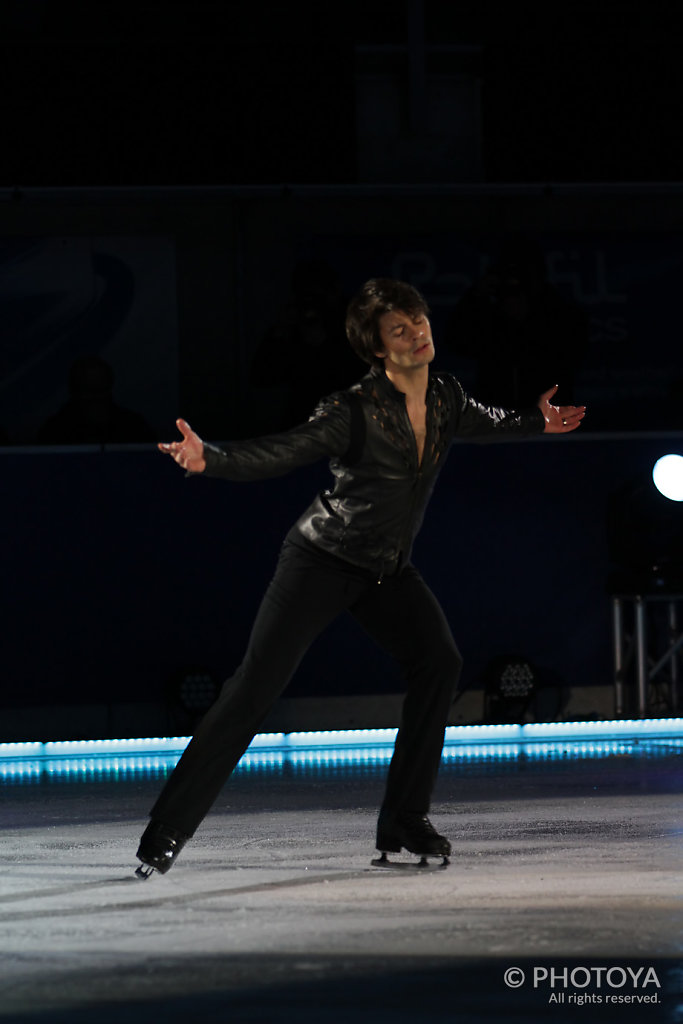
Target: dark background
pixel 233 93
pixel 188 157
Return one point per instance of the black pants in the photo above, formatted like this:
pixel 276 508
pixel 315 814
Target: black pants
pixel 309 589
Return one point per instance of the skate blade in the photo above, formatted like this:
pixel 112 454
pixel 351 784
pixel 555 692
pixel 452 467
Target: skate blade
pixel 409 865
pixel 144 871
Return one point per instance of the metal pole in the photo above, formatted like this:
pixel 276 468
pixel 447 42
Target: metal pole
pixel 641 653
pixel 618 648
pixel 675 650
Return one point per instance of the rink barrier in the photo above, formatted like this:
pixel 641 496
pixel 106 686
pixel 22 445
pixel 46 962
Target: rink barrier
pixel 157 755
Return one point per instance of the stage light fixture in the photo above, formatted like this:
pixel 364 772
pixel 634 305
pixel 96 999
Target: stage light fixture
pixel 197 691
pixel 510 684
pixel 191 692
pixel 667 474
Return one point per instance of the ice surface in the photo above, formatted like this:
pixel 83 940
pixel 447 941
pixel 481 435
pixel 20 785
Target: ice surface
pixel 272 912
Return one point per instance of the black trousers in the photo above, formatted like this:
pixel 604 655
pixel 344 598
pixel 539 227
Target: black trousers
pixel 309 589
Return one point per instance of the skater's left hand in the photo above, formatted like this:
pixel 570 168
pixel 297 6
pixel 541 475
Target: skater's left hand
pixel 559 419
pixel 188 453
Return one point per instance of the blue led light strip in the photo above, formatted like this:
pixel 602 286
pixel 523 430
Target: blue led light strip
pixel 340 739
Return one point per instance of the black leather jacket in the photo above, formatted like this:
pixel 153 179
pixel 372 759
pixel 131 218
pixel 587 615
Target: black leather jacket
pixel 373 512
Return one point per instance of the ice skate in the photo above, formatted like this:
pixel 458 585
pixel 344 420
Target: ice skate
pixel 414 833
pixel 159 846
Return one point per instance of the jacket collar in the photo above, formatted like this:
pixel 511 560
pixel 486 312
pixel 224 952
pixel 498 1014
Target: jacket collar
pixel 378 377
pixel 380 380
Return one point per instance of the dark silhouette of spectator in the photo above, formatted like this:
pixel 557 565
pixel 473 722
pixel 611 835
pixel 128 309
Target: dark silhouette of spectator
pixel 305 352
pixel 90 415
pixel 522 334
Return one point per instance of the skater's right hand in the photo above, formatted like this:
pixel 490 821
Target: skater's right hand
pixel 188 453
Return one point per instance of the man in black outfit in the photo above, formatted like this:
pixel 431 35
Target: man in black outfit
pixel 387 438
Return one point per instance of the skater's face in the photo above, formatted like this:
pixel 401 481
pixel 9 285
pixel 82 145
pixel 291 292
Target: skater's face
pixel 406 339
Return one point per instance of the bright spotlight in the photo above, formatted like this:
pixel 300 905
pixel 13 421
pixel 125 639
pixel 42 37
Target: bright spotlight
pixel 668 476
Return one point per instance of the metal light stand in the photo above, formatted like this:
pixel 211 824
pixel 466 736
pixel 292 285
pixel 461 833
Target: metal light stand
pixel 634 648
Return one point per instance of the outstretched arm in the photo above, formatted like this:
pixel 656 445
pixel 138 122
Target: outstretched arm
pixel 188 453
pixel 261 458
pixel 559 419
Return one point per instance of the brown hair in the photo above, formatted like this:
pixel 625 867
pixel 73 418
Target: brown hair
pixel 378 296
